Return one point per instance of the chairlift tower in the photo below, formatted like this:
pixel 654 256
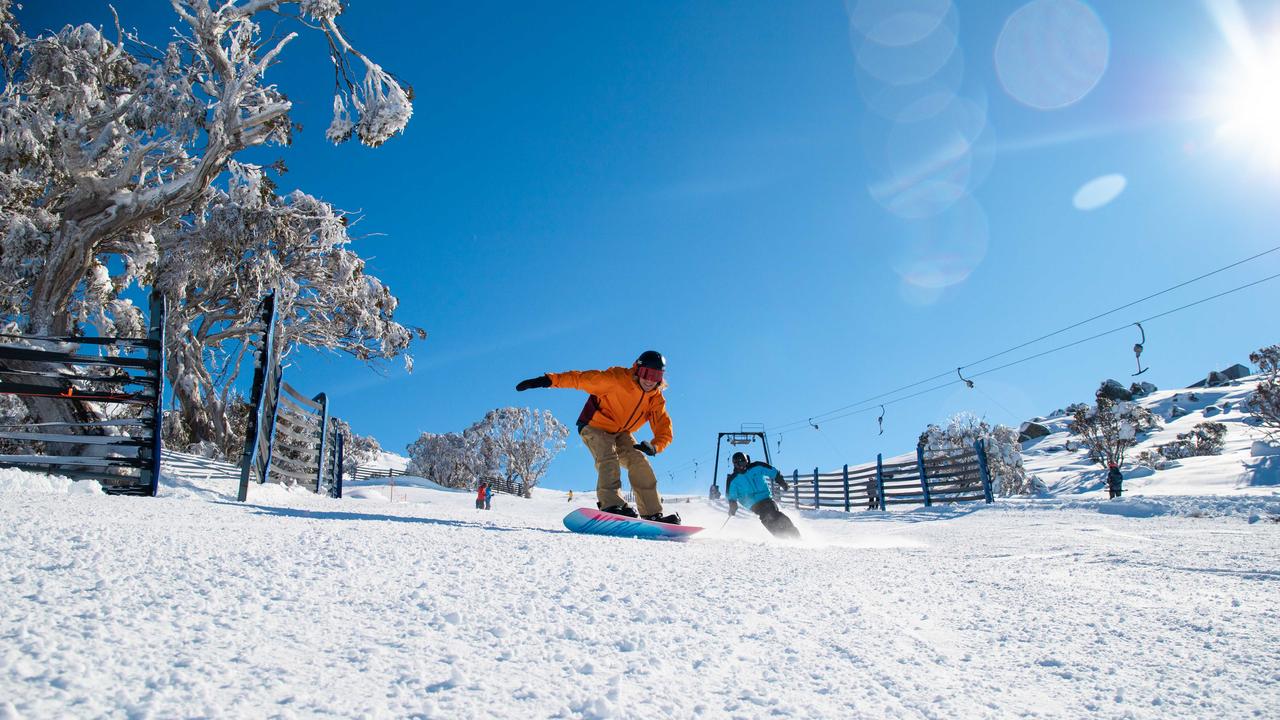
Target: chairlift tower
pixel 747 433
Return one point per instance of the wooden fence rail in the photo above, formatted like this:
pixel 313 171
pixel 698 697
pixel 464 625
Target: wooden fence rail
pixel 121 453
pixel 933 477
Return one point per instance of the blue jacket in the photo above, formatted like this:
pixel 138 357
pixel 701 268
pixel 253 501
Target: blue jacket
pixel 751 485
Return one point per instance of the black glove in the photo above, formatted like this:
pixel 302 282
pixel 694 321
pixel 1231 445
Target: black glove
pixel 645 448
pixel 733 507
pixel 783 484
pixel 542 381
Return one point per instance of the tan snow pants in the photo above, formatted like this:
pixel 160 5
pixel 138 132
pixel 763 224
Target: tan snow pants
pixel 612 452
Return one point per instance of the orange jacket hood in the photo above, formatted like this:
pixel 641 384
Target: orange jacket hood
pixel 624 407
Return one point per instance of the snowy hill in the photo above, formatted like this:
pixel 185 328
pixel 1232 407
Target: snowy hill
pixel 1247 466
pixel 292 605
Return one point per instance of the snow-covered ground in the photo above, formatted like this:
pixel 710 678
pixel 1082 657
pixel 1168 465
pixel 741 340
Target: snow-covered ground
pixel 292 605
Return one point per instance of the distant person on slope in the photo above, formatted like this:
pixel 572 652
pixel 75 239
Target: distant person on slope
pixel 622 401
pixel 750 483
pixel 1114 480
pixel 480 495
pixel 488 497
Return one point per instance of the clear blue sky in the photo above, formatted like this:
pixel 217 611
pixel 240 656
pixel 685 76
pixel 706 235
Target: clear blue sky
pixel 802 204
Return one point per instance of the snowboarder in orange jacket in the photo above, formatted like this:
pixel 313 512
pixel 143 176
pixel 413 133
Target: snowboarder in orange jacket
pixel 622 401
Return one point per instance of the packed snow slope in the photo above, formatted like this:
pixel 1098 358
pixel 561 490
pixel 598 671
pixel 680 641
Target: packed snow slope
pixel 292 605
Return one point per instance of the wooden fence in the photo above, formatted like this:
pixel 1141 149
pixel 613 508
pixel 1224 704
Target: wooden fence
pixel 124 383
pixel 290 439
pixel 932 477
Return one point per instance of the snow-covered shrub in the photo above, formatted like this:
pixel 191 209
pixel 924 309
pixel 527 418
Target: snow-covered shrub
pixel 1109 428
pixel 446 459
pixel 1264 402
pixel 1207 438
pixel 1152 459
pixel 1004 453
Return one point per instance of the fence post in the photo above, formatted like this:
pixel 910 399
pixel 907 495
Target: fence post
pixel 924 481
pixel 880 481
pixel 337 466
pixel 817 503
pixel 271 430
pixel 795 487
pixel 846 487
pixel 260 370
pixel 324 436
pixel 981 447
pixel 156 355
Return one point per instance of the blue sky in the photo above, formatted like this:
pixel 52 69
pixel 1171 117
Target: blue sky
pixel 801 204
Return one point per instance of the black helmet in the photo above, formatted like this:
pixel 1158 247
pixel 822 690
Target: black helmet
pixel 652 359
pixel 745 458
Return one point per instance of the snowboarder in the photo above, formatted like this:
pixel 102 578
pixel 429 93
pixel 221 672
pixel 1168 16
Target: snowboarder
pixel 622 401
pixel 750 483
pixel 570 496
pixel 480 495
pixel 1114 480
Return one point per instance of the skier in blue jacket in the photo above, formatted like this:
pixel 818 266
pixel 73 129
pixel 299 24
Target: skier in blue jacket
pixel 750 484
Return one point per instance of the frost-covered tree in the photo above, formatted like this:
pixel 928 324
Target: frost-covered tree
pixel 1004 452
pixel 105 142
pixel 447 459
pixel 1110 427
pixel 1264 402
pixel 522 442
pixel 215 268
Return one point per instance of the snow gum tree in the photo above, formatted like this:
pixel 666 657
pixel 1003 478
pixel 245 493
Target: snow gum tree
pixel 1110 427
pixel 523 442
pixel 110 149
pixel 215 268
pixel 1004 452
pixel 446 459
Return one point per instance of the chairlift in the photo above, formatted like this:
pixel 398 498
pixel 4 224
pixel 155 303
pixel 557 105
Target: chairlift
pixel 1137 350
pixel 966 380
pixel 880 420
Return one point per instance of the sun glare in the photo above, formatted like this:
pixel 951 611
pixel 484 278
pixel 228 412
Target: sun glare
pixel 1246 106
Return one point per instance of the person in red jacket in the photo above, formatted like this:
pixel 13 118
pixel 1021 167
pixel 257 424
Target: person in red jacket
pixel 622 401
pixel 482 495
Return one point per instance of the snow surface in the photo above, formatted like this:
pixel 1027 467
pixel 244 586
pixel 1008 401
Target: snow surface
pixel 292 605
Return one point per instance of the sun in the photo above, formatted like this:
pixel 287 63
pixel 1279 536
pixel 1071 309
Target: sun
pixel 1249 109
pixel 1246 101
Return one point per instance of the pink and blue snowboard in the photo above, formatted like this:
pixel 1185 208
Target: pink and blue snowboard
pixel 595 522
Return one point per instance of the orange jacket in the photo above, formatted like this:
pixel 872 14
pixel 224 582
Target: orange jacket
pixel 624 407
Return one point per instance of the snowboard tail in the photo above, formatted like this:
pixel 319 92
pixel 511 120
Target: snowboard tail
pixel 596 522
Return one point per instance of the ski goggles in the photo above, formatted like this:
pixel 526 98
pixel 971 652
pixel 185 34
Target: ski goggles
pixel 650 374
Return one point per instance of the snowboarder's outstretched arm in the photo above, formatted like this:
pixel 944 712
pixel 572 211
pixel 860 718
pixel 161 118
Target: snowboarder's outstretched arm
pixel 542 381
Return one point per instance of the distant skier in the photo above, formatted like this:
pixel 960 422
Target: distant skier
pixel 570 496
pixel 1114 480
pixel 488 497
pixel 622 401
pixel 480 495
pixel 750 483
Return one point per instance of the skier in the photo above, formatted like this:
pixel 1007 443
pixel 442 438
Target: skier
pixel 1114 480
pixel 749 483
pixel 622 401
pixel 488 497
pixel 480 495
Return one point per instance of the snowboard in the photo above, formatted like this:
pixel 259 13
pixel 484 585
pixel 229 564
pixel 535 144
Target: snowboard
pixel 595 522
